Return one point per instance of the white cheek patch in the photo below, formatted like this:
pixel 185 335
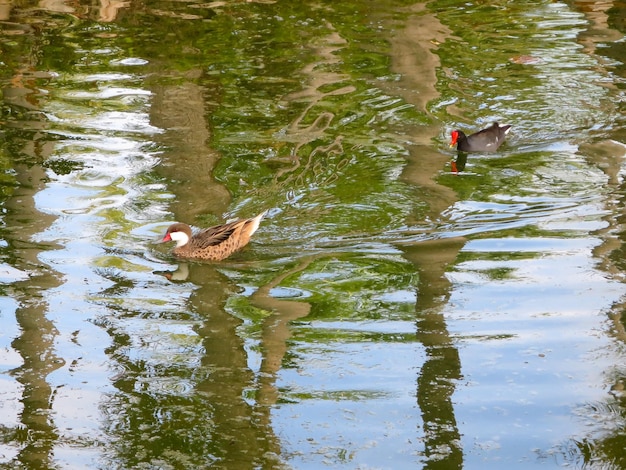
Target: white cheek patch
pixel 180 238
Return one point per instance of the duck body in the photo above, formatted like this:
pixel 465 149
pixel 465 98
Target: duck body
pixel 486 140
pixel 214 243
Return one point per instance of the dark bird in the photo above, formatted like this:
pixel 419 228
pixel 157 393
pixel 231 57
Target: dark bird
pixel 487 140
pixel 214 243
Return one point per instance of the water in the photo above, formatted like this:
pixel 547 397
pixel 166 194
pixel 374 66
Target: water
pixel 389 313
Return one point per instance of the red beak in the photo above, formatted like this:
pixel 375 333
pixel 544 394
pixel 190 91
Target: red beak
pixel 166 238
pixel 455 137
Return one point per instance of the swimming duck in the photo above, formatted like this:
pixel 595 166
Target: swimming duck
pixel 486 140
pixel 214 243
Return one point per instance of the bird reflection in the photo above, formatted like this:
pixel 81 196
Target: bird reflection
pixel 179 275
pixel 459 163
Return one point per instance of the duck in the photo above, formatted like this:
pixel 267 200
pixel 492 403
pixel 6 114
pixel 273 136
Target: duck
pixel 486 140
pixel 214 243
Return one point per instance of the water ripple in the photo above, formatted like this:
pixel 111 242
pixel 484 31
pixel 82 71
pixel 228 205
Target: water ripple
pixel 548 213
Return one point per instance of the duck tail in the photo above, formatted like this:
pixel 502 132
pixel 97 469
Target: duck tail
pixel 504 127
pixel 254 223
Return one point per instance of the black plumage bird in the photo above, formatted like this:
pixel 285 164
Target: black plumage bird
pixel 486 140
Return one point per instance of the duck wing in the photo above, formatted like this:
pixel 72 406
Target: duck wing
pixel 214 235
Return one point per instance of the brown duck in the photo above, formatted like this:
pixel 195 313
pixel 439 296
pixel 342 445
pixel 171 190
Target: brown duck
pixel 214 243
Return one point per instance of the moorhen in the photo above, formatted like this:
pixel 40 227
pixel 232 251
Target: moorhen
pixel 214 243
pixel 487 140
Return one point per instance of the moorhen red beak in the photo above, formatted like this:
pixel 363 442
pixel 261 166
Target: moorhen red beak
pixel 487 140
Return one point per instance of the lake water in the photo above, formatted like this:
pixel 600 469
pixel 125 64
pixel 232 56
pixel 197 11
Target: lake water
pixel 389 313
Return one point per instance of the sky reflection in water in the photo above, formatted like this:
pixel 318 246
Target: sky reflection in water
pixel 388 313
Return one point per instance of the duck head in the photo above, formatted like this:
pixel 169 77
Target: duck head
pixel 179 233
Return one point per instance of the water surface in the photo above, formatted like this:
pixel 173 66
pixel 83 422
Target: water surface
pixel 389 313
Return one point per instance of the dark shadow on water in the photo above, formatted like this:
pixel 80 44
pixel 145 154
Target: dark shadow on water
pixel 37 333
pixel 217 415
pixel 441 370
pixel 414 56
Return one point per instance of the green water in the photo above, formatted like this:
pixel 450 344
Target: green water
pixel 389 313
